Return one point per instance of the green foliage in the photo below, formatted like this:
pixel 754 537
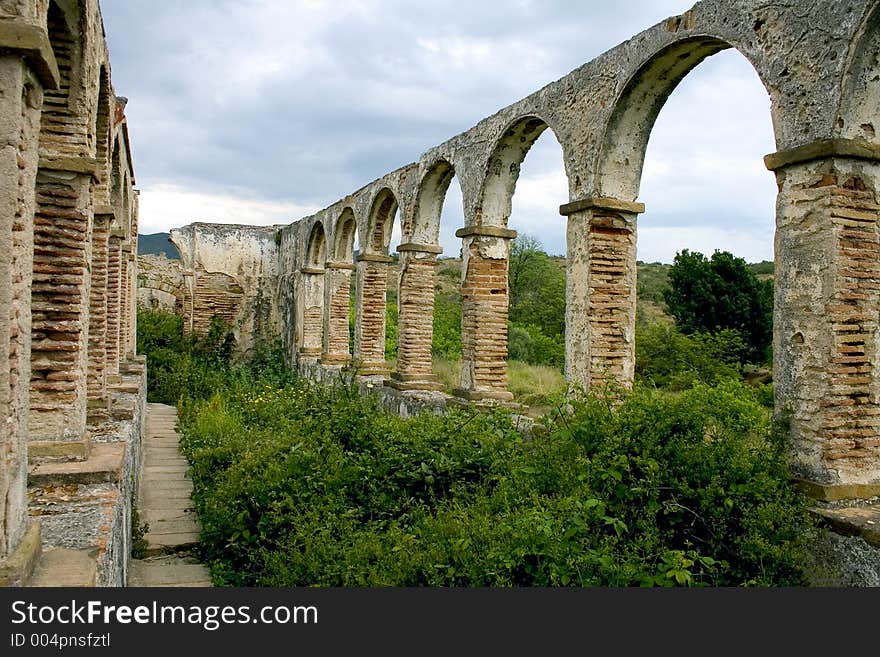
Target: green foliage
pixel 302 485
pixel 721 293
pixel 537 288
pixel 527 343
pixel 667 358
pixel 178 364
pixel 391 330
pixel 653 280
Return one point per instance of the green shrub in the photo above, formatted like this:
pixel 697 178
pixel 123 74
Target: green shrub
pixel 666 358
pixel 446 339
pixel 306 485
pixel 528 343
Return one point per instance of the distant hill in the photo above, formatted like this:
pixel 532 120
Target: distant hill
pixel 155 244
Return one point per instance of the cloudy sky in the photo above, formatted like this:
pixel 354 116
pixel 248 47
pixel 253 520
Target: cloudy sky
pixel 263 111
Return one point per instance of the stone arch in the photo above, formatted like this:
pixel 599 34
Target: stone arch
pixel 634 112
pixel 116 196
pixel 418 264
pixel 485 260
pixel 316 252
pixel 503 168
pixel 430 198
pixel 380 222
pixel 372 285
pixel 63 130
pixel 860 98
pixel 344 234
pixel 103 126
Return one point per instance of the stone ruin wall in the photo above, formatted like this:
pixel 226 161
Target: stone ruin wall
pixel 71 388
pixel 160 283
pixel 230 272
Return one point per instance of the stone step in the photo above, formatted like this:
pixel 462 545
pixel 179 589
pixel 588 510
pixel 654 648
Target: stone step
pixel 168 571
pixel 104 465
pixel 171 543
pixel 65 567
pixel 853 520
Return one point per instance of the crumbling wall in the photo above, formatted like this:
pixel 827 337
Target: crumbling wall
pixel 160 283
pixel 231 272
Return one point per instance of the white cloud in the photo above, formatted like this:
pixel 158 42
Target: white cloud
pixel 661 243
pixel 163 207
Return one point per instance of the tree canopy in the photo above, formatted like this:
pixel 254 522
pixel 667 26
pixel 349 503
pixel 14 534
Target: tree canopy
pixel 721 293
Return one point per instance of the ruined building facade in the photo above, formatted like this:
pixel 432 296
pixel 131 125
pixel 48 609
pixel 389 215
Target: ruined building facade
pixel 825 89
pixel 71 387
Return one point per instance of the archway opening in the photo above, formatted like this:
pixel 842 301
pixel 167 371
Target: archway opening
pixel 446 340
pixel 373 273
pixel 705 252
pixel 537 277
pixel 340 291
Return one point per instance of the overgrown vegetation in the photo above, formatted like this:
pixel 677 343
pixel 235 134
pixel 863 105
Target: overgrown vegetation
pixel 309 485
pixel 300 484
pixel 679 482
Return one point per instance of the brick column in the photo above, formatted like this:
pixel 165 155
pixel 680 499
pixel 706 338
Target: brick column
pixel 21 96
pixel 369 332
pixel 827 314
pixel 114 293
pixel 59 301
pixel 131 304
pixel 485 301
pixel 97 376
pixel 337 299
pixel 600 321
pixel 415 323
pixel 313 312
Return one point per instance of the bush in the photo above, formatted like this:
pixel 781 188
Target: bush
pixel 446 340
pixel 180 365
pixel 303 485
pixel 530 345
pixel 666 358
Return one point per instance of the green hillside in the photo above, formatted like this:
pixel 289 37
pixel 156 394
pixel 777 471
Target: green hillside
pixel 155 244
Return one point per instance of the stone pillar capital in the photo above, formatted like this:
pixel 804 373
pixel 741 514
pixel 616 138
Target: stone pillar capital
pixel 823 149
pixel 486 231
pixel 414 247
pixel 31 42
pixel 336 265
pixel 374 257
pixel 602 203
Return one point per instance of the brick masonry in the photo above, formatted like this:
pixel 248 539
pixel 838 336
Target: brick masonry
pixel 67 213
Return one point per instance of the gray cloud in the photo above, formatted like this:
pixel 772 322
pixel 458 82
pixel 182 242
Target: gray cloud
pixel 299 103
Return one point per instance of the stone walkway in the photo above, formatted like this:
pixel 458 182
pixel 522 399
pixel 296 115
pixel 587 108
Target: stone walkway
pixel 165 504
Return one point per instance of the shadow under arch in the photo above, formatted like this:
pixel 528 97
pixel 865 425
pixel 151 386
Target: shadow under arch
pixel 338 292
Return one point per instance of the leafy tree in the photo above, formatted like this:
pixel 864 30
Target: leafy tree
pixel 537 288
pixel 711 295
